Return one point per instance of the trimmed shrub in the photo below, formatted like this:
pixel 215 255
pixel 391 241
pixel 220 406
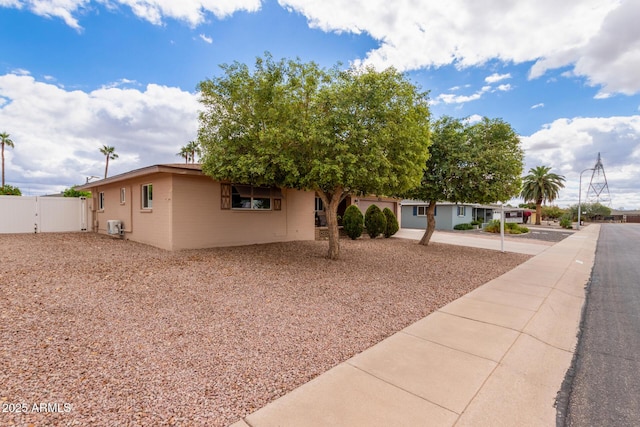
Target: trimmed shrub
pixel 565 221
pixel 509 227
pixel 392 223
pixel 374 221
pixel 353 222
pixel 463 227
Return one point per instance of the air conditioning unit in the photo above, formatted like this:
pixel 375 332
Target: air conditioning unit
pixel 114 227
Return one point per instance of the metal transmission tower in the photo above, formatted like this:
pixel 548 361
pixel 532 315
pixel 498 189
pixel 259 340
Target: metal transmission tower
pixel 598 191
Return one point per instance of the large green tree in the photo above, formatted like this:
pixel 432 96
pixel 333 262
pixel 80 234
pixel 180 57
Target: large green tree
pixel 5 139
pixel 470 163
pixel 541 185
pixel 109 153
pixel 335 132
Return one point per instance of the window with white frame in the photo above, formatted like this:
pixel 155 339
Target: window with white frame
pixel 422 211
pixel 462 210
pixel 147 196
pixel 319 204
pixel 123 196
pixel 101 201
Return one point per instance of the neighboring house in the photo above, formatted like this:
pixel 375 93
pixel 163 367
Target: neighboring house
pixel 624 216
pixel 447 215
pixel 176 206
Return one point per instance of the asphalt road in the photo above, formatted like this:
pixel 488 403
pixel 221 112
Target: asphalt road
pixel 605 390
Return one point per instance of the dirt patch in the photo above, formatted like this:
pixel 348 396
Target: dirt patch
pixel 111 332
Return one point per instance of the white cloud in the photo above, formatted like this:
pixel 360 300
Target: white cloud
pixel 599 38
pixel 450 98
pixel 57 143
pixel 571 145
pixel 192 11
pixel 21 72
pixel 120 83
pixel 474 118
pixel 540 105
pixel 495 77
pixel 206 39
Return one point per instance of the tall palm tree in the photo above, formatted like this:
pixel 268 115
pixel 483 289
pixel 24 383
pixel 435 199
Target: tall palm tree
pixel 185 153
pixel 194 148
pixel 539 186
pixel 110 153
pixel 4 140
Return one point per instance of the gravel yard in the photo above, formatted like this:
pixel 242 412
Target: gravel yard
pixel 111 332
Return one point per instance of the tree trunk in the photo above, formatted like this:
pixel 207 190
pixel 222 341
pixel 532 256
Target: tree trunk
pixel 106 168
pixel 331 202
pixel 538 212
pixel 431 223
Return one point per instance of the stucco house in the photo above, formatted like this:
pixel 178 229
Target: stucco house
pixel 177 206
pixel 448 215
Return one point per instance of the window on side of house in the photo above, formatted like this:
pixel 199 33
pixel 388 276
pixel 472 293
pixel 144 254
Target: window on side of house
pixel 422 211
pixel 101 201
pixel 147 196
pixel 123 196
pixel 253 198
pixel 319 204
pixel 462 210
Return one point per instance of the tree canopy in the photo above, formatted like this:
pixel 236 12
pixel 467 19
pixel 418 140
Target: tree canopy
pixel 8 190
pixel 470 163
pixel 541 185
pixel 74 192
pixel 293 124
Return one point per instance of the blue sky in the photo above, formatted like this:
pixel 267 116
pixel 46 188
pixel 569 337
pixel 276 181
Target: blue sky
pixel 79 74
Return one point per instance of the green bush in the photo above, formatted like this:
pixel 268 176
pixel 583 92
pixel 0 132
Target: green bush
pixel 72 192
pixel 374 221
pixel 463 227
pixel 477 221
pixel 565 221
pixel 493 226
pixel 9 190
pixel 509 227
pixel 392 223
pixel 353 222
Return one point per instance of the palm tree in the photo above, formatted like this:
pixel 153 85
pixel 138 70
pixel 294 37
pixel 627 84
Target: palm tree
pixel 4 140
pixel 540 186
pixel 109 152
pixel 185 153
pixel 194 148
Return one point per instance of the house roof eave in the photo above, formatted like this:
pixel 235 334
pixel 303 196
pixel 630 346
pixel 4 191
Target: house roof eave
pixel 179 169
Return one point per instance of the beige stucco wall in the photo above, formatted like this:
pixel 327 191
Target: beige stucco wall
pixel 198 221
pixel 150 226
pixel 186 214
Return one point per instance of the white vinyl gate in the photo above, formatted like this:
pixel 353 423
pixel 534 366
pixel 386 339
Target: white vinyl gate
pixel 36 214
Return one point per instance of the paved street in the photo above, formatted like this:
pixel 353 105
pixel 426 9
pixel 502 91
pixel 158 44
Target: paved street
pixel 606 386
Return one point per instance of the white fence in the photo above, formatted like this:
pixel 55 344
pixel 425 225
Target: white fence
pixel 38 214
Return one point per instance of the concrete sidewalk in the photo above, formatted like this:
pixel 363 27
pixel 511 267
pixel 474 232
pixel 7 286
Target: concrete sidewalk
pixel 487 241
pixel 496 356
